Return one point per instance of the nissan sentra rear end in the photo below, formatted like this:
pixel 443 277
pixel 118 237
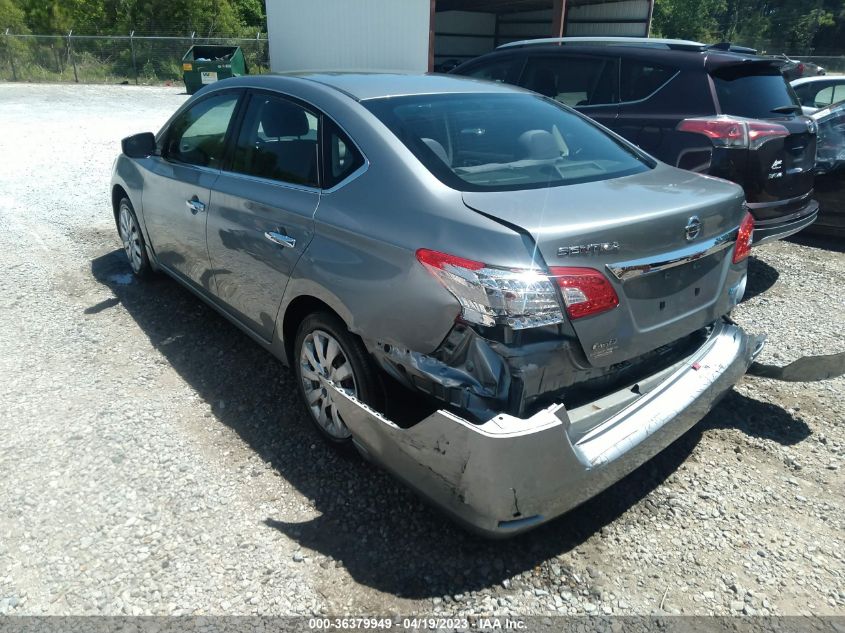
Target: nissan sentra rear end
pixel 569 365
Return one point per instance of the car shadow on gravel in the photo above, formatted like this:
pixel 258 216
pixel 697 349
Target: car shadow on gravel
pixel 815 240
pixel 381 533
pixel 761 277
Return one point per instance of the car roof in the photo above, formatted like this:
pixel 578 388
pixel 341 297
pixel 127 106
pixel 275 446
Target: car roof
pixel 373 85
pixel 650 42
pixel 679 58
pixel 809 80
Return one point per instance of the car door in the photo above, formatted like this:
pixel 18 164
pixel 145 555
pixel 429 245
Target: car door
pixel 587 83
pixel 262 207
pixel 178 188
pixel 646 118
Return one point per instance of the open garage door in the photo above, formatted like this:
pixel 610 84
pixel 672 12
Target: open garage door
pixel 463 29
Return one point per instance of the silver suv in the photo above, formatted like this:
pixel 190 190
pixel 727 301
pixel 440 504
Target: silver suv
pixel 558 296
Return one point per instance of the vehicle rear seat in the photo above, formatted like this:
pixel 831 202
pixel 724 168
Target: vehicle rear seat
pixel 283 157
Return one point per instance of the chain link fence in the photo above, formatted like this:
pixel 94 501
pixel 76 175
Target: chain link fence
pixel 150 60
pixel 111 58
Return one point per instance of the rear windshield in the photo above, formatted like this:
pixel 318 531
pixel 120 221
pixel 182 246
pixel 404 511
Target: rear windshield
pixel 752 95
pixel 500 142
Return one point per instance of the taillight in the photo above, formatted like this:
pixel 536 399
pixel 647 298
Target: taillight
pixel 726 131
pixel 743 241
pixel 490 295
pixel 585 291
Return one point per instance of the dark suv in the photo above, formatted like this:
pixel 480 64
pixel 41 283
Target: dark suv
pixel 716 110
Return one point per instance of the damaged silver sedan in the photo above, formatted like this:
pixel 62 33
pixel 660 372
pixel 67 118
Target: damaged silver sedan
pixel 556 298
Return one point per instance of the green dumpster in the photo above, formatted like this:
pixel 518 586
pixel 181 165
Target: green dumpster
pixel 205 63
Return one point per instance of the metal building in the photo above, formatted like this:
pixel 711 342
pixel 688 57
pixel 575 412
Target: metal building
pixel 419 35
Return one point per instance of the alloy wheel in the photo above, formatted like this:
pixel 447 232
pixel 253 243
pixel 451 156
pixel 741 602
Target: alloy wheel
pixel 130 235
pixel 322 359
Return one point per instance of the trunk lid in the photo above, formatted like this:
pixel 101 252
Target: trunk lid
pixel 634 230
pixel 780 168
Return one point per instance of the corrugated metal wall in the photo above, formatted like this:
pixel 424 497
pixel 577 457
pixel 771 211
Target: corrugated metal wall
pixel 524 25
pixel 627 18
pixel 462 35
pixel 348 35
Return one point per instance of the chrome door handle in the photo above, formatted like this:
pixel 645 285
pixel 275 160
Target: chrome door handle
pixel 195 205
pixel 280 239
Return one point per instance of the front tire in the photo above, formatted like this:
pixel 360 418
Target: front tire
pixel 133 240
pixel 325 350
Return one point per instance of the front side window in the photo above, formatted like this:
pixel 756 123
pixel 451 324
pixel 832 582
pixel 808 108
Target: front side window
pixel 639 80
pixel 198 135
pixel 573 81
pixel 499 142
pixel 278 140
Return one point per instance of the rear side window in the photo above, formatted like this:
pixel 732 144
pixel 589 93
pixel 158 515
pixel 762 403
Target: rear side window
pixel 573 81
pixel 341 156
pixel 503 71
pixel 820 94
pixel 752 92
pixel 639 80
pixel 278 140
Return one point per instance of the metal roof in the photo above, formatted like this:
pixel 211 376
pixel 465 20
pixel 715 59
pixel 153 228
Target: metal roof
pixel 508 6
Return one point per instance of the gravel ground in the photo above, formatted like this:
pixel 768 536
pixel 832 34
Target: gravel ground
pixel 156 461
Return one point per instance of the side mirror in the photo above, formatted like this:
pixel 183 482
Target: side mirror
pixel 139 145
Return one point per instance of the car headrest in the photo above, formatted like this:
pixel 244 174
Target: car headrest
pixel 280 118
pixel 539 145
pixel 437 148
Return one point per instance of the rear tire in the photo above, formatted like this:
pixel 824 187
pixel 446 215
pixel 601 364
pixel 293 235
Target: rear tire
pixel 324 349
pixel 134 245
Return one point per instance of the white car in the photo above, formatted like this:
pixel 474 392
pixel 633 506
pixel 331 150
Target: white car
pixel 816 93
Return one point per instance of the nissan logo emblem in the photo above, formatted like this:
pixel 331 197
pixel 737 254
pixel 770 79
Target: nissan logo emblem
pixel 693 228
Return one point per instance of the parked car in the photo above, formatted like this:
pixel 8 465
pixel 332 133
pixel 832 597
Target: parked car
pixel 830 171
pixel 711 109
pixel 559 295
pixel 795 69
pixel 816 93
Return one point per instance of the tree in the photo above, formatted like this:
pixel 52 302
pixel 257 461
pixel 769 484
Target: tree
pixel 59 16
pixel 207 18
pixel 688 19
pixel 12 17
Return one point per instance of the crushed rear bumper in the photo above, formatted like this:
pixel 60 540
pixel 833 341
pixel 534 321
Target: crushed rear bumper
pixel 509 474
